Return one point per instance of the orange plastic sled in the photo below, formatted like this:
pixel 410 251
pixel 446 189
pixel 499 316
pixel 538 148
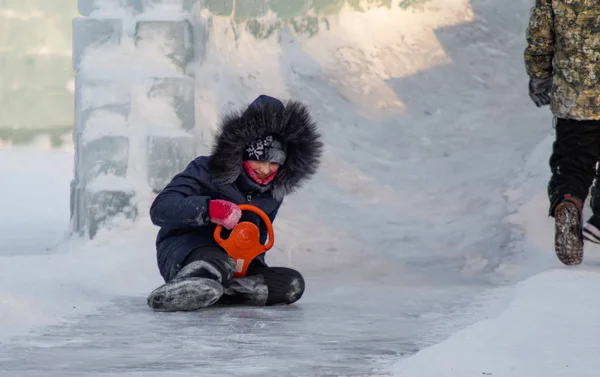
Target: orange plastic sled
pixel 243 243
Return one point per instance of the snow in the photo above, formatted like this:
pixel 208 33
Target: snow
pixel 549 325
pixel 29 177
pixel 548 329
pixel 44 277
pixel 424 240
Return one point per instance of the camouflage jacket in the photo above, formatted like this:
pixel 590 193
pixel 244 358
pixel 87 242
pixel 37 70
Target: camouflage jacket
pixel 563 41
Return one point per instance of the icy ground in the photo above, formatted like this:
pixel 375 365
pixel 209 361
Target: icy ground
pixel 430 206
pixel 88 306
pixel 85 303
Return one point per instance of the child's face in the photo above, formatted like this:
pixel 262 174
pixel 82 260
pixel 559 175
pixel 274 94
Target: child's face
pixel 263 169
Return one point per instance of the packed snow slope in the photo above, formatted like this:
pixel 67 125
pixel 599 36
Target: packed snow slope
pixel 425 114
pixel 427 124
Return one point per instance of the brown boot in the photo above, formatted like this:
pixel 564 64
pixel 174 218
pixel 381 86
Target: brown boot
pixel 568 240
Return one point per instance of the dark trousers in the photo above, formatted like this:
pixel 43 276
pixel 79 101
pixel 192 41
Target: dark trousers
pixel 575 153
pixel 595 193
pixel 281 285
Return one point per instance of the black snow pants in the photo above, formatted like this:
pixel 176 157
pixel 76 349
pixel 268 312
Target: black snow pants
pixel 262 285
pixel 595 193
pixel 575 153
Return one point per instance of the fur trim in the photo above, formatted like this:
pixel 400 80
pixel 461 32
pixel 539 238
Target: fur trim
pixel 292 124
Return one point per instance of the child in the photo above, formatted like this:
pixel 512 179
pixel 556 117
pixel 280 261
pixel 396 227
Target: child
pixel 259 157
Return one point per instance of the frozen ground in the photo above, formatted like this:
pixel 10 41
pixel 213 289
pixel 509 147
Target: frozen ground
pixel 84 304
pixel 431 197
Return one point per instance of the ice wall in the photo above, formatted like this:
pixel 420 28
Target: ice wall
pixel 134 105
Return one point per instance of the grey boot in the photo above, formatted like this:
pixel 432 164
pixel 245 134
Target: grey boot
pixel 196 286
pixel 248 290
pixel 270 286
pixel 185 295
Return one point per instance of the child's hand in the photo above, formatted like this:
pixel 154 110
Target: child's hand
pixel 224 213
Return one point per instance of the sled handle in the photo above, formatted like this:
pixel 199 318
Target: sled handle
pixel 262 215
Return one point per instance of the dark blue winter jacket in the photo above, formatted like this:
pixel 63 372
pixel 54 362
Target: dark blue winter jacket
pixel 181 209
pixel 181 212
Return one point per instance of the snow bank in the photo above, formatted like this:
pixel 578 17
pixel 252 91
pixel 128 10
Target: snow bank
pixel 358 51
pixel 29 176
pixel 77 278
pixel 550 329
pixel 551 324
pixel 44 279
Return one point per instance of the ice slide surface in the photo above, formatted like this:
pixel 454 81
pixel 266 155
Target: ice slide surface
pixel 426 119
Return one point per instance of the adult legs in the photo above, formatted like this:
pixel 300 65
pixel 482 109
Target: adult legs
pixel 576 151
pixel 591 230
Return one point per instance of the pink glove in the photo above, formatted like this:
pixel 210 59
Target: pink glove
pixel 224 213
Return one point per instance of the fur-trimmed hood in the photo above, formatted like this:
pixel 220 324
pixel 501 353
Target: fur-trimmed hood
pixel 291 123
